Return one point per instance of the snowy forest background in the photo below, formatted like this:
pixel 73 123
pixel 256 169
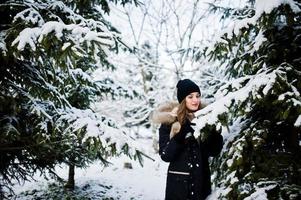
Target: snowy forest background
pixel 80 79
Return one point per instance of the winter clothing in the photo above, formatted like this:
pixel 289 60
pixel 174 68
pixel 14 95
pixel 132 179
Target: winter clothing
pixel 185 87
pixel 188 172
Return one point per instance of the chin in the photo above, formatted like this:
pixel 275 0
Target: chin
pixel 194 109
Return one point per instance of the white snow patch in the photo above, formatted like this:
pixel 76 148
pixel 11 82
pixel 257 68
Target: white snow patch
pixel 140 183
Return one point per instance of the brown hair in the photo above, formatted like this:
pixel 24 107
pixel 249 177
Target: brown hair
pixel 183 112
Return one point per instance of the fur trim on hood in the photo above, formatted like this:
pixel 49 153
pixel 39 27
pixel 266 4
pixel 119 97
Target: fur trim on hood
pixel 167 114
pixel 163 114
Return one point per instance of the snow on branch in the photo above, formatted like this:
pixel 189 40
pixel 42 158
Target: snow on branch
pixel 77 33
pixel 80 74
pixel 30 16
pixel 298 122
pixel 210 115
pixel 99 126
pixel 260 7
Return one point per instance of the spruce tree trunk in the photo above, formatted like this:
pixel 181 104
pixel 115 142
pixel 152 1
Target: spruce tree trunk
pixel 71 183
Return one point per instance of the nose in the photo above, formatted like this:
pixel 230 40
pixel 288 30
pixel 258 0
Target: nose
pixel 195 99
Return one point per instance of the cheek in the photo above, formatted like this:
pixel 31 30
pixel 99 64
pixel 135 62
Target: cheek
pixel 188 102
pixel 197 104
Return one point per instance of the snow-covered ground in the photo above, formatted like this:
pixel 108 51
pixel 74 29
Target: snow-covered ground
pixel 113 182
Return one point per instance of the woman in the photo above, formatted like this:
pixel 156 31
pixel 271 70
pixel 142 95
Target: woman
pixel 188 172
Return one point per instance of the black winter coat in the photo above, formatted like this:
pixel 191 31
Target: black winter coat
pixel 188 172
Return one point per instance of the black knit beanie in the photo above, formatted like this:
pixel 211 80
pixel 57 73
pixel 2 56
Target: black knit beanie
pixel 185 87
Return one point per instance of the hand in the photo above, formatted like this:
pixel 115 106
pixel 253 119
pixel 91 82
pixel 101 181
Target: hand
pixel 174 112
pixel 185 129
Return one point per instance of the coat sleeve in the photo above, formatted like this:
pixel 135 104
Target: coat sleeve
pixel 213 144
pixel 168 148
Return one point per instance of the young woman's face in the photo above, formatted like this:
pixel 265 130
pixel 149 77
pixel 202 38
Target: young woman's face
pixel 193 101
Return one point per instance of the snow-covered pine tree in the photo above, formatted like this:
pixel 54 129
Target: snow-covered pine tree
pixel 49 50
pixel 260 103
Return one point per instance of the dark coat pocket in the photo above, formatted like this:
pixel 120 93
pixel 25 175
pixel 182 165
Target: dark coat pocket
pixel 176 187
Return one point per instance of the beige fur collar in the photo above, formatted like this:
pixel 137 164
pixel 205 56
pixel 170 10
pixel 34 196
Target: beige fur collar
pixel 166 114
pixel 163 114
